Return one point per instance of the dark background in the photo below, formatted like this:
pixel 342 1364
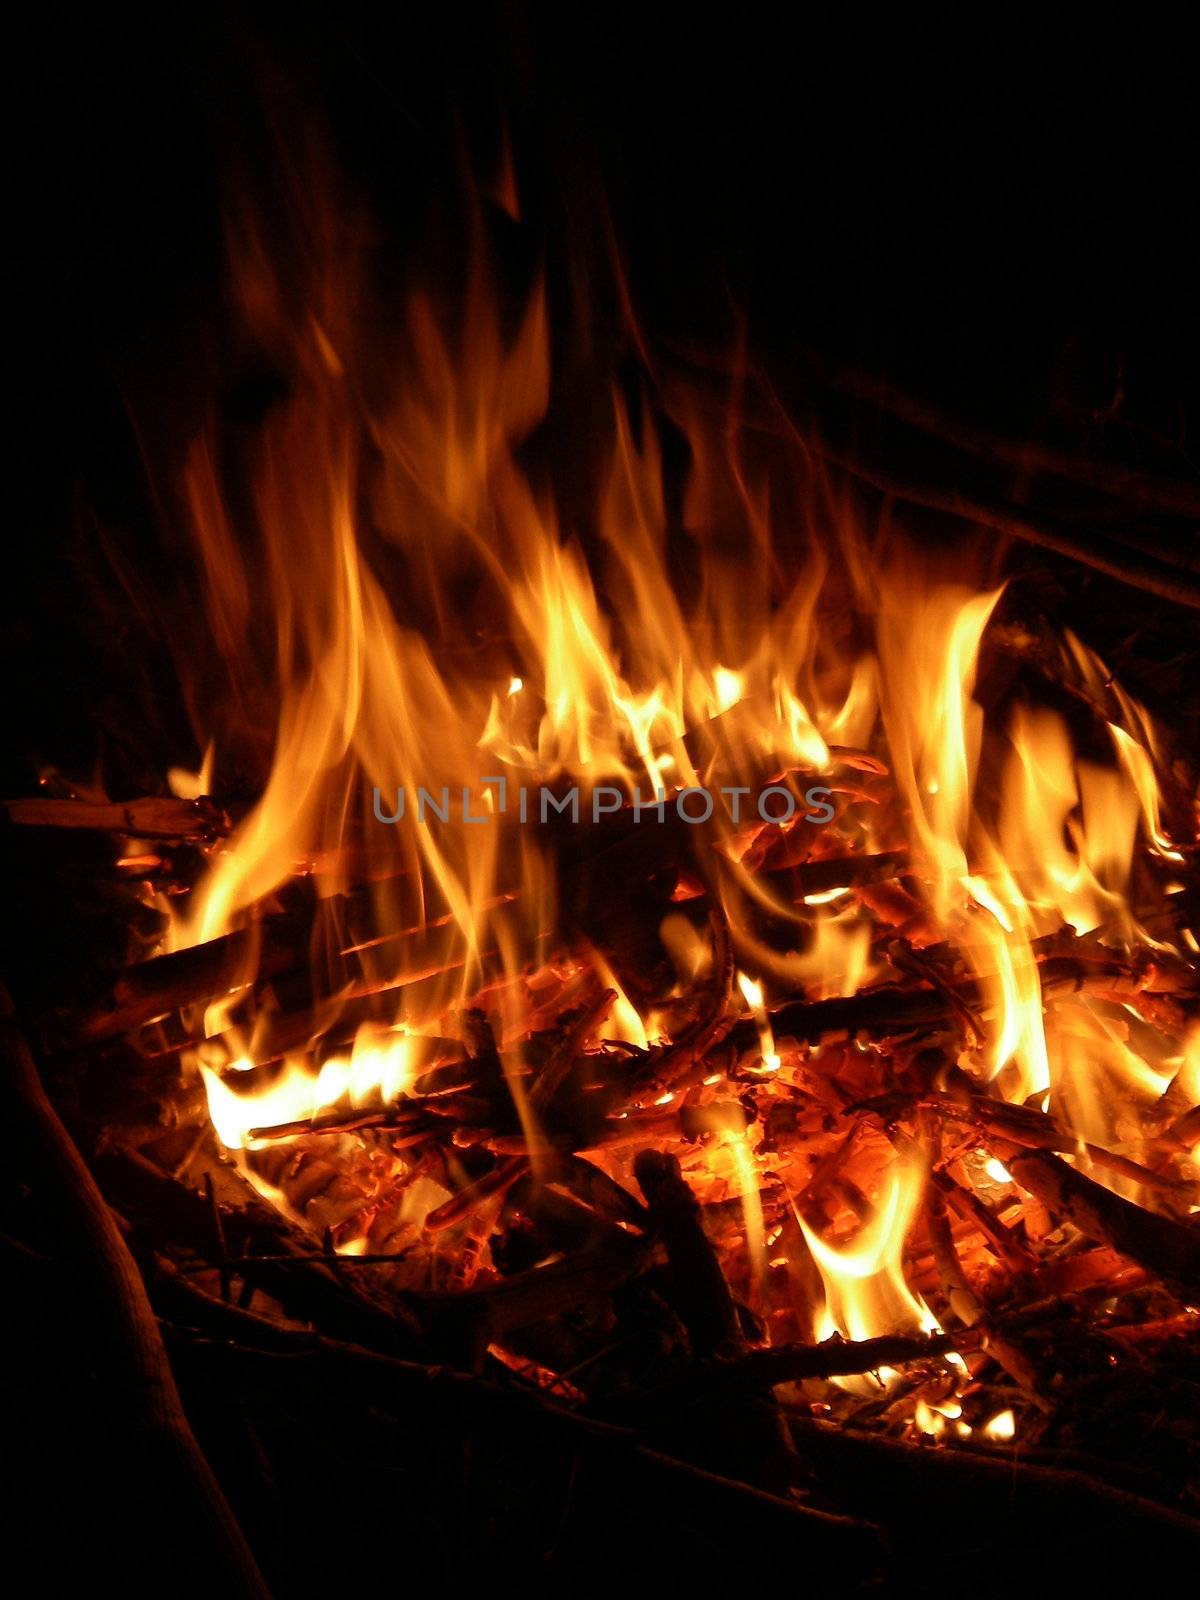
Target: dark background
pixel 996 217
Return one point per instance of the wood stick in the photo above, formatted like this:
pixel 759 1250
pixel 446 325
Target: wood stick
pixel 627 1473
pixel 124 1338
pixel 965 1305
pixel 504 1174
pixel 838 1358
pixel 1101 555
pixel 1164 1246
pixel 187 977
pixel 1004 1243
pixel 1045 1519
pixel 269 949
pixel 1145 490
pixel 156 817
pixel 886 1010
pixel 1035 1130
pixel 699 1291
pixel 890 1009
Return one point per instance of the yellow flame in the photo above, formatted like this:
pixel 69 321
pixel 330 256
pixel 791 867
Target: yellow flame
pixel 1002 1426
pixel 379 1066
pixel 753 995
pixel 865 1290
pixel 191 785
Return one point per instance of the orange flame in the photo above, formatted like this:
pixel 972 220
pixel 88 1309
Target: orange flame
pixel 409 618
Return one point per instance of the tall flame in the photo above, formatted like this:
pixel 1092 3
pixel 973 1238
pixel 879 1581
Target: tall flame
pixel 423 632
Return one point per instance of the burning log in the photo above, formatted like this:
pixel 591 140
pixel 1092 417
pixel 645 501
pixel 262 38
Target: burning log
pixel 465 1322
pixel 187 977
pixel 752 1436
pixel 890 1010
pixel 268 950
pixel 663 1068
pixel 699 1290
pixel 1168 1248
pixel 157 817
pixel 1185 1133
pixel 550 1079
pixel 887 1010
pixel 1035 1130
pixel 503 1175
pixel 965 1305
pixel 836 1358
pixel 1001 1239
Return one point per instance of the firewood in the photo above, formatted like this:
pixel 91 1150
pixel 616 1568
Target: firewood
pixel 699 1291
pixel 1126 565
pixel 661 1069
pixel 551 1077
pixel 887 1010
pixel 471 1406
pixel 890 1009
pixel 1061 1523
pixel 269 949
pixel 489 1312
pixel 493 1184
pixel 835 1358
pixel 171 1214
pixel 124 1339
pixel 1007 1247
pixel 965 1305
pixel 156 817
pixel 1170 1249
pixel 187 977
pixel 404 1117
pixel 1035 1130
pixel 1186 1131
pixel 1140 489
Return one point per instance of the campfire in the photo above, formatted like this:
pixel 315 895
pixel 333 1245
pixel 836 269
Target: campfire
pixel 669 947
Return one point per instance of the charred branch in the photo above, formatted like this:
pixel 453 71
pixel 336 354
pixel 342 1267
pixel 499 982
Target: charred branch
pixel 123 1340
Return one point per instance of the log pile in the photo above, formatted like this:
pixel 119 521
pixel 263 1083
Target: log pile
pixel 543 1259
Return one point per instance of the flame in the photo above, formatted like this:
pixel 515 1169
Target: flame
pixel 753 995
pixel 191 785
pixel 378 1067
pixel 738 1146
pixel 1002 1426
pixel 1063 844
pixel 421 632
pixel 929 651
pixel 624 1021
pixel 865 1290
pixel 1140 769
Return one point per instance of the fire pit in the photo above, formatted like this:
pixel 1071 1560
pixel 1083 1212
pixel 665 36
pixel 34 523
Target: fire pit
pixel 667 999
